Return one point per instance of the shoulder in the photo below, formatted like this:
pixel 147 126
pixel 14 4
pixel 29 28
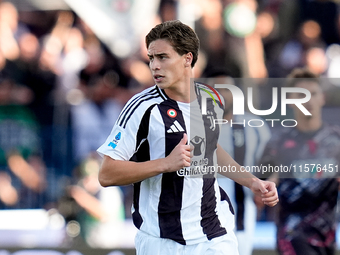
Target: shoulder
pixel 329 134
pixel 149 94
pixel 332 129
pixel 139 104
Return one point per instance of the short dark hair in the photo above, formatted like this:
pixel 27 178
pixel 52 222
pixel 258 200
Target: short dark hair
pixel 182 37
pixel 301 74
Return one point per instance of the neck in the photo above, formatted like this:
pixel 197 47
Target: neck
pixel 182 91
pixel 180 94
pixel 309 124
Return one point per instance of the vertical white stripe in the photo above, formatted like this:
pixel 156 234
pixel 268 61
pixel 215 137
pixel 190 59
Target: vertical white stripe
pixel 191 208
pixel 151 188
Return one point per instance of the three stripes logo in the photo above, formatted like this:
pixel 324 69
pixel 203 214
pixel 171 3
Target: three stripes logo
pixel 175 128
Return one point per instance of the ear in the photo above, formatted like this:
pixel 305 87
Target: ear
pixel 188 59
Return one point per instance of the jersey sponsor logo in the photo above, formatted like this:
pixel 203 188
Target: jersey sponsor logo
pixel 115 141
pixel 172 113
pixel 199 145
pixel 175 127
pixel 198 165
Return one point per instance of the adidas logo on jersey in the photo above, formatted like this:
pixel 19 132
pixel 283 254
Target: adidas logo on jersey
pixel 175 128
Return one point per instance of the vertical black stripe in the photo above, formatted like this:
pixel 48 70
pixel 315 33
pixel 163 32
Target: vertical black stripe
pixel 239 155
pixel 225 197
pixel 141 155
pixel 210 223
pixel 136 217
pixel 170 201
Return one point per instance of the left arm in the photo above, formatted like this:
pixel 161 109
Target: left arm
pixel 266 189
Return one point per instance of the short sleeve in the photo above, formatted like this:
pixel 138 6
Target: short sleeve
pixel 122 143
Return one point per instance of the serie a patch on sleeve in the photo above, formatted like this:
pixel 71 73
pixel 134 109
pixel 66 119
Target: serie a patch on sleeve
pixel 117 134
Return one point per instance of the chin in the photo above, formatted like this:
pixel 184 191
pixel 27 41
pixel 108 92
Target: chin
pixel 161 85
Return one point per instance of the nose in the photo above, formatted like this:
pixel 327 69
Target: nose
pixel 154 65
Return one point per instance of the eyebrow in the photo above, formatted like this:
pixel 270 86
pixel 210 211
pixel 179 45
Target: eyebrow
pixel 158 55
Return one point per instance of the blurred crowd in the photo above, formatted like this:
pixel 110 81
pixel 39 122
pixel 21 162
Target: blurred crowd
pixel 61 89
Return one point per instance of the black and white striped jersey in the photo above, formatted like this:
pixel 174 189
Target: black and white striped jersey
pixel 179 206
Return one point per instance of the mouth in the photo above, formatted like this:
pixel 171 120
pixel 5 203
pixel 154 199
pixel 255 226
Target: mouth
pixel 158 78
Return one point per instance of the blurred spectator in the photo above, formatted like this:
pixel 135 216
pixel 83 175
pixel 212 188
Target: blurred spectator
pixel 168 10
pixel 73 59
pixel 256 67
pixel 8 194
pixel 20 150
pixel 96 104
pixel 316 60
pixel 8 29
pixel 306 222
pixel 230 39
pixel 93 117
pixel 102 215
pixel 333 54
pixel 220 49
pixel 326 14
pixel 294 52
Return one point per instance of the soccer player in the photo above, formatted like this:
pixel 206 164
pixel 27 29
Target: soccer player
pixel 307 214
pixel 153 146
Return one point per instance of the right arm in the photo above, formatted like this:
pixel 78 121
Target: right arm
pixel 119 172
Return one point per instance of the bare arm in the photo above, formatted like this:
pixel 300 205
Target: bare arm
pixel 265 189
pixel 118 172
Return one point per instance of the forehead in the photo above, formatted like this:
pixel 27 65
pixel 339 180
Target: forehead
pixel 160 46
pixel 312 86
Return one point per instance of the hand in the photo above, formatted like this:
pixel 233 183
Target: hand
pixel 179 157
pixel 266 190
pixel 8 194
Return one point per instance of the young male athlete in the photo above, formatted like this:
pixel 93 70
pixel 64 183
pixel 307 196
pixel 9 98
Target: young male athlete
pixel 177 208
pixel 308 195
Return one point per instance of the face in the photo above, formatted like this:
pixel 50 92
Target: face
pixel 317 101
pixel 168 68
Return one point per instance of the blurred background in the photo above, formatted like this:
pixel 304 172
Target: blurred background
pixel 67 67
